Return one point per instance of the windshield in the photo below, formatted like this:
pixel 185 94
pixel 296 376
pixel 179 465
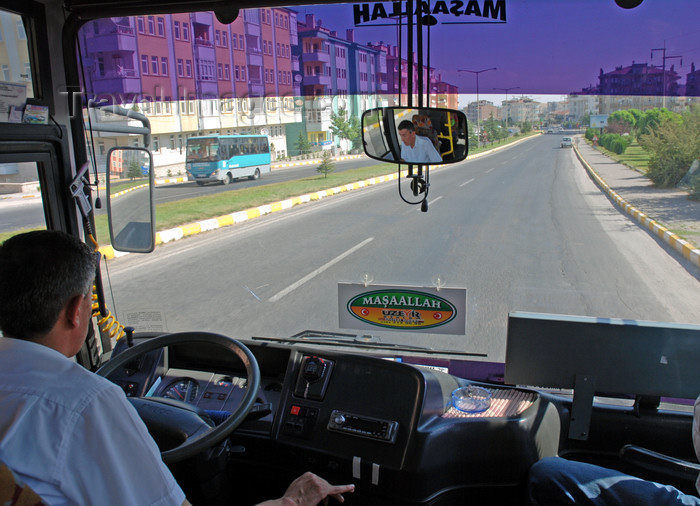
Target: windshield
pixel 518 226
pixel 202 150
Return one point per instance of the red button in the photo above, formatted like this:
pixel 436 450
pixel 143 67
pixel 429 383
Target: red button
pixel 294 410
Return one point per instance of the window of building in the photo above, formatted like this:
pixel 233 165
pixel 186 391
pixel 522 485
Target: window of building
pixel 144 64
pixel 188 68
pixel 21 34
pixel 163 66
pixel 185 31
pixel 176 30
pixel 154 65
pixel 161 27
pixel 151 25
pixel 227 72
pixel 217 37
pixel 180 67
pixel 224 39
pixel 140 24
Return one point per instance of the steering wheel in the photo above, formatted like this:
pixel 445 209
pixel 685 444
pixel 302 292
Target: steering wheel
pixel 178 417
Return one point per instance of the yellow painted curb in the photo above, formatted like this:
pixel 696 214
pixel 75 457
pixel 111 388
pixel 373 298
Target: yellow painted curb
pixel 685 248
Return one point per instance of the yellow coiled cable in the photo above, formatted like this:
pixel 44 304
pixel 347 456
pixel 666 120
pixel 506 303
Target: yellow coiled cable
pixel 108 323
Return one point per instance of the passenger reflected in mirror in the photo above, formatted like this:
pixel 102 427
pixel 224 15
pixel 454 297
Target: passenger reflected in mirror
pixel 416 148
pixel 415 135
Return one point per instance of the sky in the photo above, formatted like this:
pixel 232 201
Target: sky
pixel 544 47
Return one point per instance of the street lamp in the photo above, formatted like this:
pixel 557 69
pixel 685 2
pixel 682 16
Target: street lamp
pixel 506 90
pixel 478 110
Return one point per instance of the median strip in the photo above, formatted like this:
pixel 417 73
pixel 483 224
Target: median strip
pixel 177 233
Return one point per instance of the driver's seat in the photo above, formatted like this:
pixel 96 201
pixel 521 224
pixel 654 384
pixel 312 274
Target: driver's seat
pixel 14 491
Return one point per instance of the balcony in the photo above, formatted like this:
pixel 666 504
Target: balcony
pixel 318 80
pixel 201 42
pixel 122 39
pixel 202 18
pixel 254 57
pixel 126 82
pixel 316 56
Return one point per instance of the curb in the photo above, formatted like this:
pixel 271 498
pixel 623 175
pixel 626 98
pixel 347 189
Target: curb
pixel 685 248
pixel 189 229
pixel 180 232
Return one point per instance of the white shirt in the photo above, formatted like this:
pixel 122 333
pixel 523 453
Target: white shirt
pixel 73 436
pixel 422 151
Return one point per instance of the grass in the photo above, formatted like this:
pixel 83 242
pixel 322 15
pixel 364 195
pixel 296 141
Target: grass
pixel 634 156
pixel 119 186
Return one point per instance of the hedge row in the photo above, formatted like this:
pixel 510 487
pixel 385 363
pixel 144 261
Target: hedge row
pixel 612 142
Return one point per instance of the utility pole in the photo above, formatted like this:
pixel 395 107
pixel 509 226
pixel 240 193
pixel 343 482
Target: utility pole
pixel 506 90
pixel 663 68
pixel 478 105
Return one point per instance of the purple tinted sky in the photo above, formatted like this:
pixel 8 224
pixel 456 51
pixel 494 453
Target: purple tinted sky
pixel 547 46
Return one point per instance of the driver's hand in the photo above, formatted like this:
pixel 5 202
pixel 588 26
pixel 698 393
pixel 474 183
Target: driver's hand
pixel 309 490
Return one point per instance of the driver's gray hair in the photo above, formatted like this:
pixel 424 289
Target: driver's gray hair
pixel 40 273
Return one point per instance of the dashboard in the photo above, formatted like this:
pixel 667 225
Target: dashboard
pixel 387 426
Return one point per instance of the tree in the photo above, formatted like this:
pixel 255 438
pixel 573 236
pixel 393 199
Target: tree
pixel 621 122
pixel 326 166
pixel 134 170
pixel 653 118
pixel 673 146
pixel 303 144
pixel 344 128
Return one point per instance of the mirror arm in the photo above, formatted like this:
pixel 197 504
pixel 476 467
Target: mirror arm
pixel 118 110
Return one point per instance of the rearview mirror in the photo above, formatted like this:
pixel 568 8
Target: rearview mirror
pixel 422 135
pixel 130 199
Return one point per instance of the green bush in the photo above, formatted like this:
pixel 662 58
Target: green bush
pixel 618 146
pixel 673 146
pixel 614 142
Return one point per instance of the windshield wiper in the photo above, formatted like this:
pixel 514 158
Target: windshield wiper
pixel 360 341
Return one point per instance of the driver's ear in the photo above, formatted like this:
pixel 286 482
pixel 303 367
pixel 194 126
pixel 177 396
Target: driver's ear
pixel 72 311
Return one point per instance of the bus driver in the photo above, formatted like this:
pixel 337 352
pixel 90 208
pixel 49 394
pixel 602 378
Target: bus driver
pixel 416 148
pixel 69 434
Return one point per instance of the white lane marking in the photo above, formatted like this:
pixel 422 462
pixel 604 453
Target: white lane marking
pixel 492 168
pixel 318 271
pixel 466 182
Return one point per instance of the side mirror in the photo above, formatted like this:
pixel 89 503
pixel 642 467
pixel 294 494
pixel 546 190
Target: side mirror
pixel 422 135
pixel 130 206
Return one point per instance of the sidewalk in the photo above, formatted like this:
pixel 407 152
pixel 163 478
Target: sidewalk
pixel 673 212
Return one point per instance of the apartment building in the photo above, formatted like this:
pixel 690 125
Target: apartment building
pixel 192 75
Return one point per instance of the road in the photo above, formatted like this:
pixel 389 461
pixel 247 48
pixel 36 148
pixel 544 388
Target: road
pixel 16 214
pixel 522 229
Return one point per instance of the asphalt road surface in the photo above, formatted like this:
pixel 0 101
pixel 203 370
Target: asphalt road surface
pixel 523 229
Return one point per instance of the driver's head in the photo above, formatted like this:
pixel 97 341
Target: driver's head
pixel 41 272
pixel 407 132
